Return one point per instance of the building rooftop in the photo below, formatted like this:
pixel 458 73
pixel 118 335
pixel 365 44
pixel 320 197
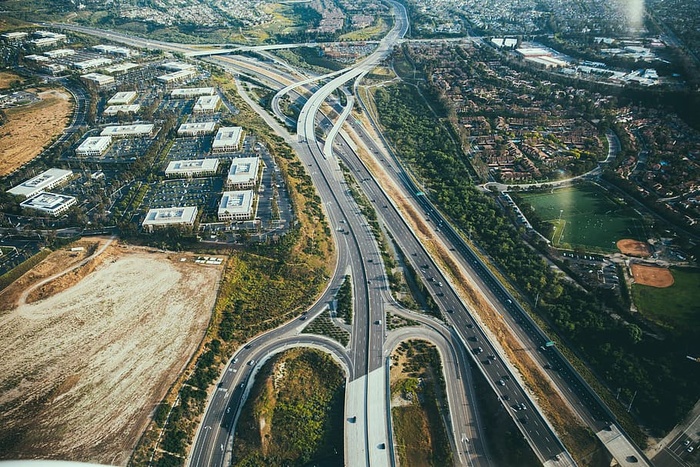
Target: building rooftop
pixel 48 202
pixel 236 202
pixel 192 166
pixel 36 184
pixel 128 130
pixel 190 92
pixel 243 170
pixel 166 216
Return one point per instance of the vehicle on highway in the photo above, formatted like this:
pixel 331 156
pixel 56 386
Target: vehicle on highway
pixel 251 363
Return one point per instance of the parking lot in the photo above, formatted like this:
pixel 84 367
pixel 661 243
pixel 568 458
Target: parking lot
pixel 201 192
pixel 190 147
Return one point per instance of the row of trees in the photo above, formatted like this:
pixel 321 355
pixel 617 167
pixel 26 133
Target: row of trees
pixel 624 358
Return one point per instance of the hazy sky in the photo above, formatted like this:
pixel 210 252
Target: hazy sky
pixel 634 11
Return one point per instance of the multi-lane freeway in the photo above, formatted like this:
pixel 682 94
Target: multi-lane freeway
pixel 368 438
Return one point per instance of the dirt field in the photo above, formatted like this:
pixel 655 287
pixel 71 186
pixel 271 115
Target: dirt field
pixel 30 128
pixel 6 78
pixel 84 366
pixel 634 248
pixel 652 275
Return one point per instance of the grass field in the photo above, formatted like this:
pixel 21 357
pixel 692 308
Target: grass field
pixel 586 216
pixel 675 307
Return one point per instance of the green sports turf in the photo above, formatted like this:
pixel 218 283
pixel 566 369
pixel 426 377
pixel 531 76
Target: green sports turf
pixel 586 216
pixel 677 306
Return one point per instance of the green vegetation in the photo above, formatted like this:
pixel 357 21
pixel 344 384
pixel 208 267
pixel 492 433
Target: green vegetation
pixel 15 273
pixel 294 415
pixel 421 436
pixel 375 31
pixel 583 216
pixel 676 307
pixel 324 326
pixel 344 298
pixel 293 271
pixel 395 322
pixel 656 370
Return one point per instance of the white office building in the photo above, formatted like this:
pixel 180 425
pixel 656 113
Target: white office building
pixel 192 168
pixel 186 93
pixel 175 76
pixel 121 131
pixel 127 109
pixel 163 217
pixel 122 98
pixel 97 79
pixel 44 181
pixel 206 104
pixel 227 139
pixel 49 203
pixel 236 206
pixel 243 173
pixel 94 146
pixel 196 129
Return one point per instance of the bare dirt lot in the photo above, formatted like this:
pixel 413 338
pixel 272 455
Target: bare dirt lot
pixel 6 78
pixel 634 248
pixel 85 364
pixel 30 128
pixel 652 275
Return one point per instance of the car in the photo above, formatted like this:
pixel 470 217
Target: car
pixel 501 382
pixel 478 350
pixel 235 360
pixel 439 284
pixel 450 311
pixel 486 362
pixel 522 406
pixel 473 338
pixel 690 449
pixel 505 397
pixel 242 385
pixel 470 325
pixel 251 363
pixel 302 318
pixel 379 321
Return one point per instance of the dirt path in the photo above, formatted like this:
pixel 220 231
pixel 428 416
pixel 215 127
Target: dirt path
pixel 84 366
pixel 23 297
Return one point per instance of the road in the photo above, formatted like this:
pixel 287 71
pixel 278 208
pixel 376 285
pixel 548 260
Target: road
pixel 370 285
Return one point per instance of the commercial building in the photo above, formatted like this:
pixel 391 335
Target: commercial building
pixel 97 79
pixel 49 203
pixel 46 38
pixel 120 131
pixel 196 129
pixel 37 58
pixel 92 63
pixel 243 173
pixel 192 168
pixel 175 76
pixel 185 93
pixel 94 146
pixel 236 206
pixel 114 50
pixel 122 98
pixel 121 68
pixel 206 104
pixel 44 181
pixel 163 217
pixel 115 109
pixel 227 139
pixel 176 66
pixel 14 36
pixel 58 53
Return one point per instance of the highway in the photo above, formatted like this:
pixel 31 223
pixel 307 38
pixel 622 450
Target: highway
pixel 356 246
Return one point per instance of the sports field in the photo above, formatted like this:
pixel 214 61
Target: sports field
pixel 586 216
pixel 677 306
